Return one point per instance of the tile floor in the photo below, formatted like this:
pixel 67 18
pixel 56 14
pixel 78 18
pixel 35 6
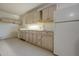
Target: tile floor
pixel 17 47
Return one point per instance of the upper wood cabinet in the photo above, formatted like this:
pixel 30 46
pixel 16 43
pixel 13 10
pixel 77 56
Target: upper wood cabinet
pixel 45 14
pixel 48 13
pixel 36 16
pixel 32 17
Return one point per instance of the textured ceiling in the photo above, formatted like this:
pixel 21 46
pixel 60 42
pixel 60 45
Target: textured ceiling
pixel 18 8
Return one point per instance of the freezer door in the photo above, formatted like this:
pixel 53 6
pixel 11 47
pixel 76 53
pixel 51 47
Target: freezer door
pixel 67 14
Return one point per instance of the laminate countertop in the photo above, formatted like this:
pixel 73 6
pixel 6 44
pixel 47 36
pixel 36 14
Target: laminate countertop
pixel 24 29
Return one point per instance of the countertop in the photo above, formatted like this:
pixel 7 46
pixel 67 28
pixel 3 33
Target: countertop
pixel 24 29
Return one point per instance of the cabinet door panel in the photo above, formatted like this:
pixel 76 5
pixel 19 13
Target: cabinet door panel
pixel 47 40
pixel 23 34
pixel 36 17
pixel 30 36
pixel 26 19
pixel 45 14
pixel 39 39
pixel 19 34
pixel 49 43
pixel 43 39
pixel 51 12
pixel 34 37
pixel 27 38
pixel 43 42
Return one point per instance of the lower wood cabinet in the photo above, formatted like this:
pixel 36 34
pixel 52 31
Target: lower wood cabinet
pixel 30 36
pixel 20 34
pixel 34 37
pixel 39 38
pixel 47 40
pixel 43 39
pixel 27 38
pixel 23 35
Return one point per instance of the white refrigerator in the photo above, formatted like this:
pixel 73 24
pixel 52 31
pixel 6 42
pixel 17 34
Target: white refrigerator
pixel 66 33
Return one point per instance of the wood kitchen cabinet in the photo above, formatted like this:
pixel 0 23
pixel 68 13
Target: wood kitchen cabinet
pixel 47 40
pixel 45 15
pixel 30 36
pixel 36 16
pixel 27 38
pixel 50 38
pixel 32 17
pixel 23 35
pixel 43 39
pixel 19 34
pixel 39 37
pixel 40 14
pixel 29 18
pixel 34 37
pixel 48 13
pixel 26 19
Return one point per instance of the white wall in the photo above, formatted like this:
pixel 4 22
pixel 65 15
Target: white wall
pixel 8 30
pixel 66 37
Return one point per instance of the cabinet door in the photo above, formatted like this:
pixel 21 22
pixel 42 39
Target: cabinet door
pixel 51 12
pixel 48 13
pixel 43 39
pixel 31 17
pixel 23 34
pixel 39 39
pixel 19 34
pixel 36 16
pixel 26 19
pixel 45 14
pixel 34 37
pixel 47 41
pixel 30 36
pixel 26 36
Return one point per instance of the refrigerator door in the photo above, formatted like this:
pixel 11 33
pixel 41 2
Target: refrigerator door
pixel 66 39
pixel 67 14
